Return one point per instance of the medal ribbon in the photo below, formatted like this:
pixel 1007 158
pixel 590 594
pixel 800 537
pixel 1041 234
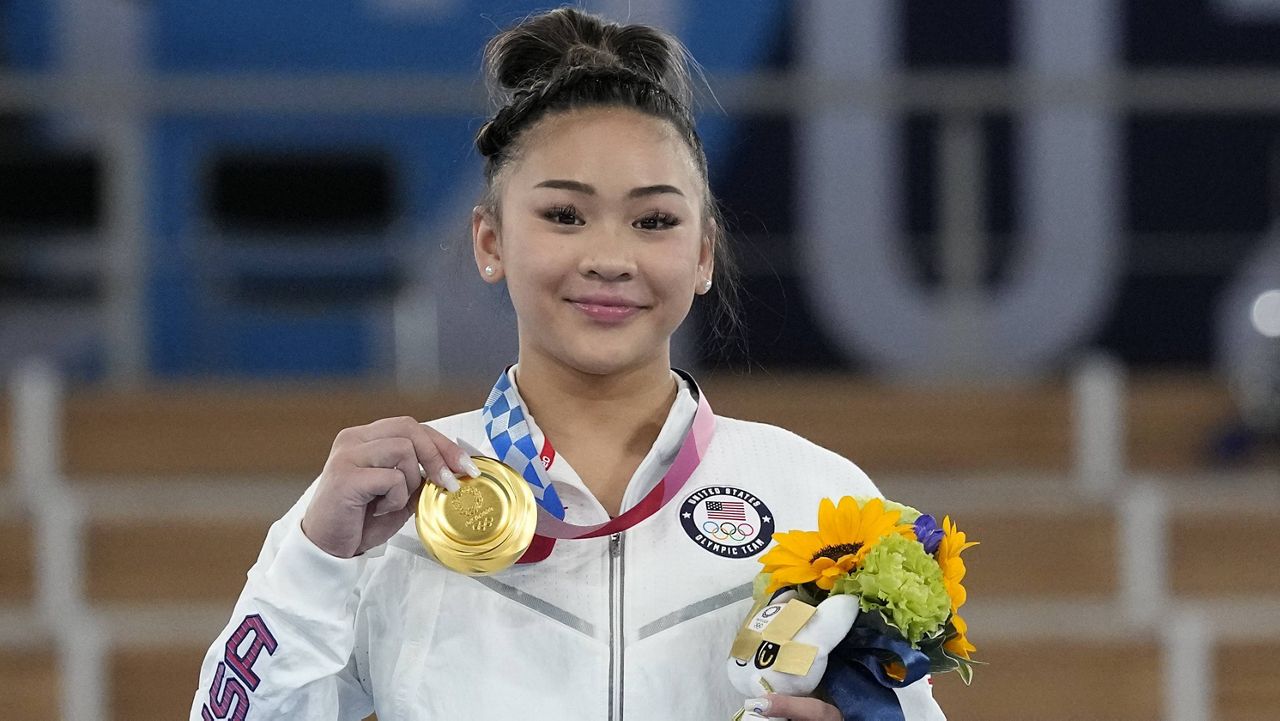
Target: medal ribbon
pixel 510 435
pixel 512 441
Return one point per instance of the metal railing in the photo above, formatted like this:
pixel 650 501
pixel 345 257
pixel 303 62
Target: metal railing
pixel 58 519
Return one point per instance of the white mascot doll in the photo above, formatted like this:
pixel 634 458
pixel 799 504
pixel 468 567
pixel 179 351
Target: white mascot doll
pixel 785 646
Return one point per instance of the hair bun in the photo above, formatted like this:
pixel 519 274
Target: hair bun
pixel 547 45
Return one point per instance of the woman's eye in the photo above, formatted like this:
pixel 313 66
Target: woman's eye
pixel 563 214
pixel 657 221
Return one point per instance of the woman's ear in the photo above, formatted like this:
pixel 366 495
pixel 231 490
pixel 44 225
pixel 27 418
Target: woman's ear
pixel 707 257
pixel 486 244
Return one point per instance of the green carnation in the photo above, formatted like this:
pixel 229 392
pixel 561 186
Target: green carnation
pixel 899 579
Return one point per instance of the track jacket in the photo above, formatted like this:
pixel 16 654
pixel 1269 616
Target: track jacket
pixel 632 626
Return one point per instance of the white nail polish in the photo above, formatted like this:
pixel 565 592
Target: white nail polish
pixel 469 466
pixel 449 481
pixel 757 705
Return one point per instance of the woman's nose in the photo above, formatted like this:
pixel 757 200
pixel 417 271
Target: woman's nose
pixel 608 257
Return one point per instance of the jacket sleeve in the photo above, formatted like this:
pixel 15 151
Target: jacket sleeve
pixel 288 651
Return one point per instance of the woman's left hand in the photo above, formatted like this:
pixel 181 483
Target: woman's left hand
pixel 800 708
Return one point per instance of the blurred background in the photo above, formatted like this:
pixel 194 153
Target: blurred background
pixel 1017 258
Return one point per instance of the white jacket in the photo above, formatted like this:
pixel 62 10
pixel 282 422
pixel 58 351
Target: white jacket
pixel 632 626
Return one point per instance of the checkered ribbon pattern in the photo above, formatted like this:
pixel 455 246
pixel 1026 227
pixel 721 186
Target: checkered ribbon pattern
pixel 508 430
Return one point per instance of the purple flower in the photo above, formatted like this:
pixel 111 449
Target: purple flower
pixel 928 533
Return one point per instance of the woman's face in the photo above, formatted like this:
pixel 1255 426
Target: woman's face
pixel 601 240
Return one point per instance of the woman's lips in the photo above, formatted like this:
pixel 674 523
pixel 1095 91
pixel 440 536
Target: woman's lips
pixel 606 311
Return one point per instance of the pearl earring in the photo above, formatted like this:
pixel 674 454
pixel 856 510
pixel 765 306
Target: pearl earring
pixel 706 285
pixel 489 271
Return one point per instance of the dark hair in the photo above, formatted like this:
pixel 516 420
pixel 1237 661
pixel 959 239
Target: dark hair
pixel 565 59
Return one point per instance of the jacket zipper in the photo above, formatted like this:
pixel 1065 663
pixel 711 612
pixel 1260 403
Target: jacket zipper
pixel 616 640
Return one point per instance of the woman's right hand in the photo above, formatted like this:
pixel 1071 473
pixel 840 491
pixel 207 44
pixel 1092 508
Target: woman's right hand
pixel 370 484
pixel 791 708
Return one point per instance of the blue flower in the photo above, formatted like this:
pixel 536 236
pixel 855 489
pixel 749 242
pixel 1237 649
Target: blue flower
pixel 928 533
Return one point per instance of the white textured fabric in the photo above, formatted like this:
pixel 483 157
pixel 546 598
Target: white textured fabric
pixel 634 627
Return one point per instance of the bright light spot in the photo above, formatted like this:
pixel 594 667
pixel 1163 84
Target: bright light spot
pixel 1266 314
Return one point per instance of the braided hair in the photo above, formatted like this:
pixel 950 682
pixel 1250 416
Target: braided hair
pixel 566 59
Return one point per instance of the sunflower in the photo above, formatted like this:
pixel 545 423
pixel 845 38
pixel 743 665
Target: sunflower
pixel 844 537
pixel 953 570
pixel 959 645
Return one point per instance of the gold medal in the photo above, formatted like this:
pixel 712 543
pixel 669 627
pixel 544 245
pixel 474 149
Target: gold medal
pixel 484 526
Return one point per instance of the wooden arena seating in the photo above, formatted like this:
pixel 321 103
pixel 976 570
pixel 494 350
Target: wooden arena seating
pixel 1067 553
pixel 1069 679
pixel 1058 680
pixel 17 562
pixel 1246 682
pixel 171 673
pixel 246 431
pixel 1225 554
pixel 263 429
pixel 28 683
pixel 1058 546
pixel 170 561
pixel 896 429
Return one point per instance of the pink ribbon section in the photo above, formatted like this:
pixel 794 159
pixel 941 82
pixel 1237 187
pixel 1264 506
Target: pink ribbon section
pixel 687 459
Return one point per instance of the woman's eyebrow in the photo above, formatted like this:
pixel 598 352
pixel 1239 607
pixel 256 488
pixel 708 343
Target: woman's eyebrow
pixel 653 190
pixel 578 186
pixel 574 185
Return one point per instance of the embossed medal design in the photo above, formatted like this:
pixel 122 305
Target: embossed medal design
pixel 483 527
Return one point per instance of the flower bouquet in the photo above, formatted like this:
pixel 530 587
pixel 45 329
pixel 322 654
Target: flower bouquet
pixel 863 607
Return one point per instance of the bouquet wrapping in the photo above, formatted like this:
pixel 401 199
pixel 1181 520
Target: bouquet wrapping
pixel 858 610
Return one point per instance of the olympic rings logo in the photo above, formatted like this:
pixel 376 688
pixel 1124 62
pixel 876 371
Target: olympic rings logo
pixel 728 531
pixel 729 522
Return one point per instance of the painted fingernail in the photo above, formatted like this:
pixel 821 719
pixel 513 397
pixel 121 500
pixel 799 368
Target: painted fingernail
pixel 448 481
pixel 469 466
pixel 757 705
pixel 422 472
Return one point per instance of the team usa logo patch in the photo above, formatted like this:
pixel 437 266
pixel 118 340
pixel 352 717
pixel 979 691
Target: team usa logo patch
pixel 727 521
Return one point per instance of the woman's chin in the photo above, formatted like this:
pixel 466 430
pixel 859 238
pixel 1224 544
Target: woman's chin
pixel 604 361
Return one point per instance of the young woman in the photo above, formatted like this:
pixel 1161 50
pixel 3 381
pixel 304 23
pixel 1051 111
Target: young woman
pixel 599 219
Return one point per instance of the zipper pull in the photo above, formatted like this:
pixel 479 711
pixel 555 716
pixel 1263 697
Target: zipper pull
pixel 615 544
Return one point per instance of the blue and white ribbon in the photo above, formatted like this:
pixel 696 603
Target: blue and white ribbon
pixel 512 440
